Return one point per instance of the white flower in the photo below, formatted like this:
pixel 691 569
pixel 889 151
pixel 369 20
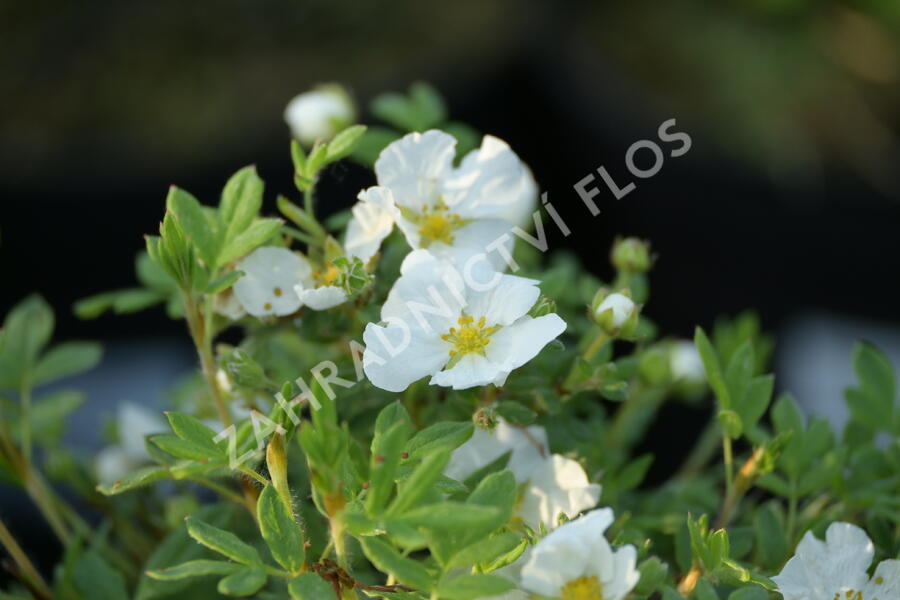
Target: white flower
pixel 576 562
pixel 455 212
pixel 373 219
pixel 226 303
pixel 685 362
pixel 278 282
pixel 133 424
pixel 526 446
pixel 461 333
pixel 270 275
pixel 620 306
pixel 557 485
pixel 319 114
pixel 836 568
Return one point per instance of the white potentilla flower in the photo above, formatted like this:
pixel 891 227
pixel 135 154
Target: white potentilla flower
pixel 526 445
pixel 373 220
pixel 319 114
pixel 322 297
pixel 134 423
pixel 621 306
pixel 461 333
pixel 455 213
pixel 685 362
pixel 836 569
pixel 575 562
pixel 270 276
pixel 227 304
pixel 557 485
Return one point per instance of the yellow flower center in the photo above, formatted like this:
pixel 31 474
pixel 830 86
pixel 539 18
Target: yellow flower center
pixel 853 594
pixel 326 276
pixel 583 588
pixel 437 225
pixel 470 337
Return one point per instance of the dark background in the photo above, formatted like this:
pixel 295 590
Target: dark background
pixel 787 202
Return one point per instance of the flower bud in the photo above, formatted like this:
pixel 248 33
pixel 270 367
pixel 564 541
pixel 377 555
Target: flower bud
pixel 543 306
pixel 485 419
pixel 631 255
pixel 654 367
pixel 685 363
pixel 320 113
pixel 616 313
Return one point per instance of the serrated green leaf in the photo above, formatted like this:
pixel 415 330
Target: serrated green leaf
pixel 240 203
pixel 194 224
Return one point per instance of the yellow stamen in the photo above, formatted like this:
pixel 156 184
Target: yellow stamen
pixel 277 292
pixel 583 588
pixel 326 276
pixel 470 337
pixel 437 225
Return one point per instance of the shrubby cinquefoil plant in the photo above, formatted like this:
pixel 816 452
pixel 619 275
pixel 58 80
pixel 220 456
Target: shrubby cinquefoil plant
pixel 426 401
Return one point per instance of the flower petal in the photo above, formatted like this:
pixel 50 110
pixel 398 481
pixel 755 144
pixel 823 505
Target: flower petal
pixel 515 345
pixel 373 220
pixel 413 166
pixel 505 302
pixel 267 286
pixel 321 298
pixel 398 355
pixel 472 370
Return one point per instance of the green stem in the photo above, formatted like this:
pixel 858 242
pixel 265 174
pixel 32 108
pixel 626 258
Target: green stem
pixel 254 475
pixel 200 327
pixel 792 509
pixel 25 399
pixel 26 567
pixel 308 204
pixel 595 346
pixel 729 463
pixel 337 536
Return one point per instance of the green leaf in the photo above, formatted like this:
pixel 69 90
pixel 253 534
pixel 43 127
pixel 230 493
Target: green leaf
pixel 134 480
pixel 445 435
pixel 94 306
pixel 96 580
pixel 308 586
pixel 194 224
pixel 223 542
pixel 755 400
pixel 282 533
pixel 244 582
pixel 750 592
pixel 469 587
pixel 195 568
pixel 771 539
pixel 786 415
pixel 872 403
pixel 50 413
pixel 486 550
pixel 191 429
pixel 713 368
pixel 653 574
pixel 176 446
pixel 386 450
pixel 134 300
pixel 372 143
pixel 68 358
pixel 449 516
pixel 406 570
pixel 420 482
pixel 516 413
pixel 26 330
pixel 261 231
pixel 240 203
pixel 731 423
pixel 224 282
pixel 345 142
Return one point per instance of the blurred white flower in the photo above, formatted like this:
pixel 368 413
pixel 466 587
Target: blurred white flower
pixel 576 562
pixel 270 275
pixel 685 362
pixel 133 424
pixel 278 282
pixel 320 113
pixel 455 212
pixel 436 324
pixel 526 445
pixel 836 569
pixel 373 220
pixel 557 485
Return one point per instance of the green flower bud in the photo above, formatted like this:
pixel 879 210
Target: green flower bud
pixel 616 313
pixel 485 419
pixel 654 366
pixel 631 255
pixel 543 306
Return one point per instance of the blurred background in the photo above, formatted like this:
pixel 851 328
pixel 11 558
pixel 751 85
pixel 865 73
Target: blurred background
pixel 787 201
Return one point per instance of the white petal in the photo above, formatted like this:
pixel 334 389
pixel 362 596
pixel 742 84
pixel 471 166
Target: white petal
pixel 472 370
pixel 553 563
pixel 685 362
pixel 510 299
pixel 267 286
pixel 134 422
pixel 492 182
pixel 515 345
pixel 525 445
pixel 413 166
pixel 557 485
pixel 408 356
pixel 321 298
pixel 429 295
pixel 373 219
pixel 888 573
pixel 625 575
pixel 621 305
